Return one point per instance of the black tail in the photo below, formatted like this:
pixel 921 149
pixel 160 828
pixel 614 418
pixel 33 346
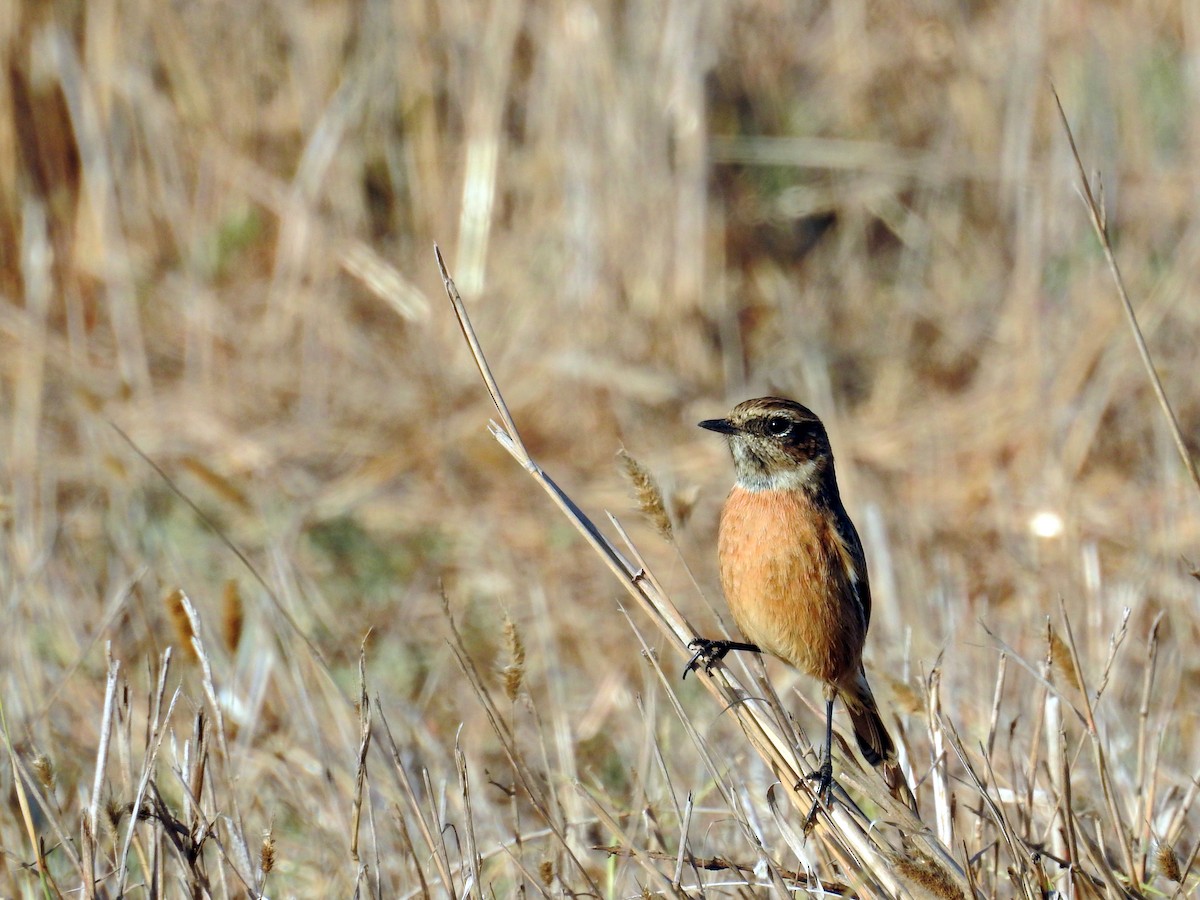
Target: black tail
pixel 874 742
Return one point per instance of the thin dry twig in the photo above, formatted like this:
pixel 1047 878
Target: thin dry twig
pixel 364 746
pixel 1116 822
pixel 1096 215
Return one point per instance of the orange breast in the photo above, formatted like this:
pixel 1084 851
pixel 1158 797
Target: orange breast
pixel 783 569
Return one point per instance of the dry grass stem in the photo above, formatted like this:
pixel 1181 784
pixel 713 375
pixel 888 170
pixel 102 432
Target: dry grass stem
pixel 1096 214
pixel 364 745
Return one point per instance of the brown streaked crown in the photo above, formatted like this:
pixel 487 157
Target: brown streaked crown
pixel 776 444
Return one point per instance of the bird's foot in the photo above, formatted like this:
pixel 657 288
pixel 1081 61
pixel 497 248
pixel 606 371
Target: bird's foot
pixel 824 779
pixel 710 652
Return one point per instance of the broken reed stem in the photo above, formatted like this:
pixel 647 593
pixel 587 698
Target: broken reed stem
pixel 1099 222
pixel 460 310
pixel 937 775
pixel 473 858
pixel 92 831
pixel 364 744
pixel 1146 771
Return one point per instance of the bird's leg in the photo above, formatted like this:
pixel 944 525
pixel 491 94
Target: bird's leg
pixel 710 652
pixel 824 775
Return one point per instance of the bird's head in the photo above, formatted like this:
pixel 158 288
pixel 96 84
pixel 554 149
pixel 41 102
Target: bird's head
pixel 777 444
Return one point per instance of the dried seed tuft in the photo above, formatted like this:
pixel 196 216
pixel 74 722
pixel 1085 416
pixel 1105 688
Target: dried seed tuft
pixel 647 494
pixel 1168 863
pixel 266 855
pixel 514 672
pixel 44 769
pixel 180 621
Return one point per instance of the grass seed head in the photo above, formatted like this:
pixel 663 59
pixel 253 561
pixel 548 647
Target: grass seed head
pixel 907 697
pixel 232 615
pixel 1168 863
pixel 43 768
pixel 114 809
pixel 266 855
pixel 928 875
pixel 180 621
pixel 647 494
pixel 514 672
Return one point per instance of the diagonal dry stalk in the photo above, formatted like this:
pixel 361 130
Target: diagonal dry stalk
pixel 1097 217
pixel 845 836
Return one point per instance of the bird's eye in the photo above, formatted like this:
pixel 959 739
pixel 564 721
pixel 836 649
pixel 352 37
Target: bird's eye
pixel 779 426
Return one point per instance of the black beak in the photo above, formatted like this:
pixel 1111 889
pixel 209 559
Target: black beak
pixel 721 426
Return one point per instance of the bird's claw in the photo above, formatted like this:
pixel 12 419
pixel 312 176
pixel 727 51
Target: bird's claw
pixel 824 779
pixel 708 654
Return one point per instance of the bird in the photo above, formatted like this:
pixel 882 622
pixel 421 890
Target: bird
pixel 794 573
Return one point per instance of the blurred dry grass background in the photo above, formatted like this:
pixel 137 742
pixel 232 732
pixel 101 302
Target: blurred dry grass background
pixel 216 229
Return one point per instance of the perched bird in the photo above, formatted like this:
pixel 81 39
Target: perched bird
pixel 793 571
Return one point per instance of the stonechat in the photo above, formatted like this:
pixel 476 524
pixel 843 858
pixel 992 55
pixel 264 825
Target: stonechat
pixel 793 571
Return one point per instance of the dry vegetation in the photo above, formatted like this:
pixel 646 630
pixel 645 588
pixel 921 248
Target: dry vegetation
pixel 269 581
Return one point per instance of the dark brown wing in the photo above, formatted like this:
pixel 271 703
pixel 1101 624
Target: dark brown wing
pixel 855 562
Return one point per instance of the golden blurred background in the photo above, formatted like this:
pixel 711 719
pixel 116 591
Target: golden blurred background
pixel 217 223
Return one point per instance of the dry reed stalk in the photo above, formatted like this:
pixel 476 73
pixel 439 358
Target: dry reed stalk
pixel 422 887
pixel 997 696
pixel 1065 839
pixel 938 774
pixel 91 830
pixel 484 138
pixel 474 885
pixel 685 825
pixel 364 744
pixel 100 184
pixel 838 850
pixel 24 786
pixel 1057 660
pixel 1145 771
